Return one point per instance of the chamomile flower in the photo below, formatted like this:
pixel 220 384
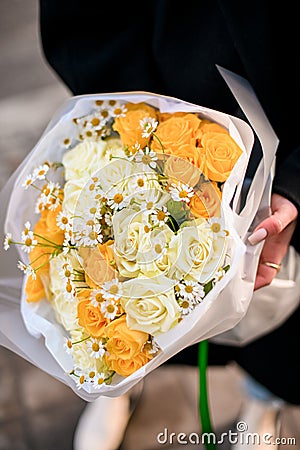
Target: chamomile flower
pixel 108 219
pixel 95 348
pixel 118 110
pixel 98 380
pixel 181 192
pixel 191 290
pixel 29 242
pixel 64 221
pixel 219 275
pixel 147 157
pixel 80 381
pixel 8 240
pixel 92 235
pixel 160 216
pixel 69 291
pixel 29 180
pixel 96 297
pixel 40 172
pixel 186 306
pixel 112 289
pixel 117 200
pixel 148 126
pixel 26 231
pixel 68 346
pixel 27 269
pixel 109 309
pixel 216 227
pixel 66 271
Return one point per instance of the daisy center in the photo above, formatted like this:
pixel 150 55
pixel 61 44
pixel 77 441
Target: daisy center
pixel 189 289
pixel 146 159
pixel 216 227
pixel 158 248
pixel 110 309
pixel 93 235
pixel 95 347
pixel 161 215
pixel 95 121
pixel 118 198
pixel 185 305
pixel 140 182
pixel 114 289
pixel 183 194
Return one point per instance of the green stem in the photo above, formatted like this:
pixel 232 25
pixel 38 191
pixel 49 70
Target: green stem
pixel 206 427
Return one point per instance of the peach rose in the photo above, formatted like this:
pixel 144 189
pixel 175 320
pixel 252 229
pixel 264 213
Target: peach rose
pixel 175 132
pixel 89 316
pixel 206 202
pixel 34 289
pixel 122 342
pixel 46 226
pixel 126 367
pixel 220 153
pixel 98 264
pixel 184 165
pixel 129 126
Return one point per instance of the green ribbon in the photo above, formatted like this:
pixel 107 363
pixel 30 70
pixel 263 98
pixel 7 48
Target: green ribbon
pixel 206 427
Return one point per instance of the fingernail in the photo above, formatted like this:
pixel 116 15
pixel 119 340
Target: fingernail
pixel 257 236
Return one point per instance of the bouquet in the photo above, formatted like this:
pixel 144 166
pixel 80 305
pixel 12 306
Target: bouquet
pixel 126 234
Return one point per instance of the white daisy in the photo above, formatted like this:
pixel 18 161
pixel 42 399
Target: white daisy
pixel 98 380
pixel 109 309
pixel 186 306
pixel 181 192
pixel 160 216
pixel 80 381
pixel 147 157
pixel 96 297
pixel 27 269
pixel 112 289
pixel 191 290
pixel 29 242
pixel 118 110
pixel 7 241
pixel 40 172
pixel 117 200
pixel 27 232
pixel 148 126
pixel 95 348
pixel 92 236
pixel 29 180
pixel 66 271
pixel 64 221
pixel 219 275
pixel 216 227
pixel 68 346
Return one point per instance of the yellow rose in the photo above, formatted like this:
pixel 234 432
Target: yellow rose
pixel 129 126
pixel 150 304
pixel 206 202
pixel 175 132
pixel 34 289
pixel 207 126
pixel 126 367
pixel 47 227
pixel 220 152
pixel 181 168
pixel 123 342
pixel 98 264
pixel 89 316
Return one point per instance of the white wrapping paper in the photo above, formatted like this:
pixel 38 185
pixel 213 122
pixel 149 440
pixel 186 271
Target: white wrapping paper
pixel 31 331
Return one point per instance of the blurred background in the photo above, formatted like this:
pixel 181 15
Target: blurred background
pixel 36 411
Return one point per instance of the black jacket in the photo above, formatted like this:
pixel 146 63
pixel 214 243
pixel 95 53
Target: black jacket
pixel 163 48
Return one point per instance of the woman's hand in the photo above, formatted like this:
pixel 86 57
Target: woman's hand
pixel 277 230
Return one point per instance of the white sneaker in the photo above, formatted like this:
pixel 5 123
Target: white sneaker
pixel 103 422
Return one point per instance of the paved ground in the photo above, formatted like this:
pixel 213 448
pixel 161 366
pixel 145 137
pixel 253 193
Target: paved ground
pixel 36 411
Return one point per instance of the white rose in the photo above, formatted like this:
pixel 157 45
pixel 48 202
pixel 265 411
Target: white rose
pixel 82 359
pixel 128 226
pixel 154 257
pixel 150 305
pixel 66 311
pixel 84 160
pixel 75 197
pixel 198 252
pixel 112 178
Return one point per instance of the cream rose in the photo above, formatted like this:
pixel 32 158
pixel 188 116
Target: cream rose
pixel 65 311
pixel 128 227
pixel 150 305
pixel 82 359
pixel 115 175
pixel 84 160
